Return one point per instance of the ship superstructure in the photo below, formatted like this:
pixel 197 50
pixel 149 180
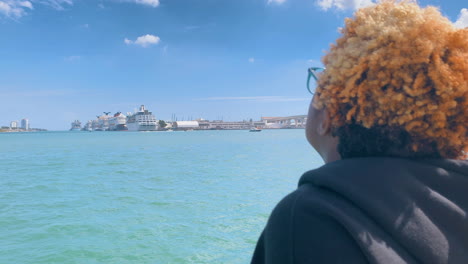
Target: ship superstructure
pixel 75 126
pixel 118 122
pixel 103 122
pixel 143 120
pixel 88 126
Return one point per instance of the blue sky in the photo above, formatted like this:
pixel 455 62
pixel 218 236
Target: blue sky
pixel 233 59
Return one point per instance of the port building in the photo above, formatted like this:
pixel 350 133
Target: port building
pixel 185 125
pixel 298 121
pixel 219 124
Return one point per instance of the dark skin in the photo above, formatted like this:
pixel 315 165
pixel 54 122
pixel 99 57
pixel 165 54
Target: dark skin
pixel 318 133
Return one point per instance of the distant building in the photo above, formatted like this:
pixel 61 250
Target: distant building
pixel 220 124
pixel 14 125
pixel 185 125
pixel 298 121
pixel 25 124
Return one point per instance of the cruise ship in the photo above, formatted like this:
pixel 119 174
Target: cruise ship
pixel 103 122
pixel 118 122
pixel 75 126
pixel 88 126
pixel 143 120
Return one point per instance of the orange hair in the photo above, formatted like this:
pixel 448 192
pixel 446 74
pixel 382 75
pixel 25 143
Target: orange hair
pixel 401 66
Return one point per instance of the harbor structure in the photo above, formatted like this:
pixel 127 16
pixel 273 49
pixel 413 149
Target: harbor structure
pixel 297 121
pixel 265 123
pixel 144 120
pixel 221 125
pixel 185 125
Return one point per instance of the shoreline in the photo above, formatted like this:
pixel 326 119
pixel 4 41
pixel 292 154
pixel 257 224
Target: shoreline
pixel 22 130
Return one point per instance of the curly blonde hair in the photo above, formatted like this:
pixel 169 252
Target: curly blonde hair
pixel 400 67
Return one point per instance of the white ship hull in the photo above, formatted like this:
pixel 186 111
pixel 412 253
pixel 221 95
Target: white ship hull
pixel 142 127
pixel 117 125
pixel 118 128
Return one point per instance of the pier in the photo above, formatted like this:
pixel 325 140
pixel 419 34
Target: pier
pixel 297 121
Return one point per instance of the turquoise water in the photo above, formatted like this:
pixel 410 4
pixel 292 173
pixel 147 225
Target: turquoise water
pixel 128 197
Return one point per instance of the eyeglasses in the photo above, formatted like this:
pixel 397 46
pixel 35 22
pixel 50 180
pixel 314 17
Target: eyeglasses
pixel 312 73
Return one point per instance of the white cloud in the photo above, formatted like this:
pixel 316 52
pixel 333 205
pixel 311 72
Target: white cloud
pixel 278 2
pixel 14 9
pixel 26 4
pixel 147 40
pixel 462 21
pixel 18 8
pixel 251 60
pixel 255 98
pixel 344 4
pixel 144 41
pixel 56 4
pixel 153 3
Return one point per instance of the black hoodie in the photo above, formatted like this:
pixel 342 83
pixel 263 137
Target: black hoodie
pixel 372 210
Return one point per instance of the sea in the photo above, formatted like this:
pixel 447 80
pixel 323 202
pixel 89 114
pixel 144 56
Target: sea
pixel 143 197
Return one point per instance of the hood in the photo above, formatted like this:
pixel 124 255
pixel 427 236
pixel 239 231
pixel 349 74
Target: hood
pixel 400 210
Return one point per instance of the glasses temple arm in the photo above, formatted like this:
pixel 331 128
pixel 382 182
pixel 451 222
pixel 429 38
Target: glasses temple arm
pixel 308 81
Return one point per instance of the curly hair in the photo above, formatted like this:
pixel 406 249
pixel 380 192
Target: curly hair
pixel 397 82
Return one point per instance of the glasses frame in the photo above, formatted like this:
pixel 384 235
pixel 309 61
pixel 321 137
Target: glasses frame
pixel 313 73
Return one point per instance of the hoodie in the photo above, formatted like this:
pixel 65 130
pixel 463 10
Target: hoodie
pixel 372 210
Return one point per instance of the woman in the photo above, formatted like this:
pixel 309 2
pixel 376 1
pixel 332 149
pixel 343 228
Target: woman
pixel 389 118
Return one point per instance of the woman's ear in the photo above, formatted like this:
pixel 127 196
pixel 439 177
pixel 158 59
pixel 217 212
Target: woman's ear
pixel 324 126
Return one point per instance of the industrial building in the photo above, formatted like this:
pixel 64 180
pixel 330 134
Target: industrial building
pixel 185 125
